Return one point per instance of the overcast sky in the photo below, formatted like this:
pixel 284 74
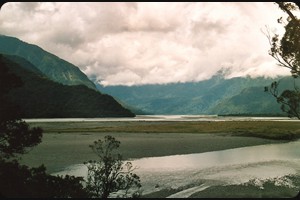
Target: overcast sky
pixel 140 43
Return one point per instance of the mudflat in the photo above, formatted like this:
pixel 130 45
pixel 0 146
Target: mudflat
pixel 67 143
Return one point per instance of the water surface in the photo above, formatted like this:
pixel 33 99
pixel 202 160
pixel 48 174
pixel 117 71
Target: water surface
pixel 164 118
pixel 202 170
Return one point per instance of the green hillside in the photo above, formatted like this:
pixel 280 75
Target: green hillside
pixel 52 66
pixel 251 100
pixel 184 98
pixel 40 97
pixel 254 100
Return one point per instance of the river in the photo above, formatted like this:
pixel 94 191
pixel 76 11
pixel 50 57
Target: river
pixel 191 173
pixel 165 118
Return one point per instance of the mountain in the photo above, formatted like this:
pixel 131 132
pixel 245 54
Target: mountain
pixel 184 98
pixel 52 66
pixel 255 100
pixel 40 97
pixel 251 100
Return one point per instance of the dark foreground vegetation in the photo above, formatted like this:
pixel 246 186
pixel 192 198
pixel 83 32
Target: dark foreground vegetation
pixel 17 138
pixel 105 176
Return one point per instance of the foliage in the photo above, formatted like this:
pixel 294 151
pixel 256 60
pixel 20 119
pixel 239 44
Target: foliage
pixel 109 174
pixel 21 181
pixel 28 86
pixel 287 49
pixel 16 137
pixel 287 53
pixel 289 99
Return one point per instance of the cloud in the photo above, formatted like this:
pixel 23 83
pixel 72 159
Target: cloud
pixel 154 42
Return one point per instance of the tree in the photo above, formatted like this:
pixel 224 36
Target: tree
pixel 109 174
pixel 15 135
pixel 20 181
pixel 287 53
pixel 16 138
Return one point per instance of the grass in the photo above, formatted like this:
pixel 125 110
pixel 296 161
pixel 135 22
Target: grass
pixel 264 129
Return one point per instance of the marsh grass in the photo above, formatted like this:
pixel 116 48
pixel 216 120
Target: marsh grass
pixel 265 129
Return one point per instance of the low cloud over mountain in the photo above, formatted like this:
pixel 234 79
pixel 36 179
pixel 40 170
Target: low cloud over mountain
pixel 144 43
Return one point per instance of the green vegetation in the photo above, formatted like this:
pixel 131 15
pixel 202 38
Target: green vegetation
pixel 286 51
pixel 50 65
pixel 21 181
pixel 15 135
pixel 265 129
pixel 40 97
pixel 109 174
pixel 16 138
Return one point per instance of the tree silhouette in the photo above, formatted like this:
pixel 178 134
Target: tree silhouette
pixel 109 174
pixel 15 135
pixel 21 181
pixel 16 138
pixel 287 53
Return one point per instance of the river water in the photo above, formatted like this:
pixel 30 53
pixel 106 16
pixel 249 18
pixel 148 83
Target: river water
pixel 196 172
pixel 165 118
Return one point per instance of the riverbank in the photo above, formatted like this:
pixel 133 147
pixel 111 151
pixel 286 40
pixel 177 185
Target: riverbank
pixel 66 143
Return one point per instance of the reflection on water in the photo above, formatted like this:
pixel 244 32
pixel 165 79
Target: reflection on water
pixel 232 166
pixel 245 155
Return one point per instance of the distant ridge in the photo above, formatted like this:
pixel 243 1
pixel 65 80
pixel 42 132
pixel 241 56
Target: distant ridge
pixel 217 95
pixel 253 100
